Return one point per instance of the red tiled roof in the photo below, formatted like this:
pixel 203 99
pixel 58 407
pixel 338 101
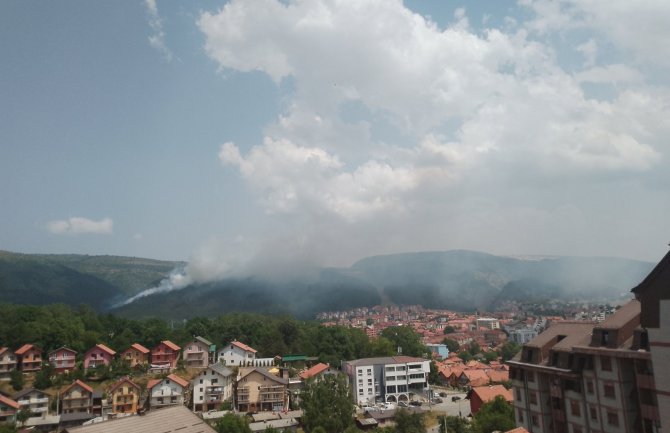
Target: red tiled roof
pixel 243 346
pixel 153 382
pixel 518 430
pixel 318 368
pixel 178 380
pixel 63 348
pixel 489 393
pixel 140 348
pixel 476 377
pixel 80 383
pixel 105 349
pixel 171 345
pixel 3 350
pixel 121 382
pixel 8 401
pixel 498 375
pixel 23 349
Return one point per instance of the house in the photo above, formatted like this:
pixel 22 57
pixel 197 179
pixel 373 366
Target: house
pixel 29 358
pixel 259 390
pixel 237 354
pixel 165 356
pixel 472 378
pixel 8 409
pixel 484 394
pixel 211 387
pixel 98 355
pixel 62 359
pixel 172 419
pixel 386 379
pixel 7 362
pixel 167 392
pixel 34 400
pixel 77 398
pixel 317 371
pixel 136 355
pixel 196 353
pixel 125 396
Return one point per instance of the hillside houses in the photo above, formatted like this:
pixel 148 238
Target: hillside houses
pixel 97 356
pixel 136 355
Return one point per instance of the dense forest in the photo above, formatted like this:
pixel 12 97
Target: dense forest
pixel 80 328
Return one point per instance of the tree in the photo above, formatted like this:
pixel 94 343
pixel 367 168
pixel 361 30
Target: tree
pixel 231 423
pixel 452 345
pixel 16 380
pixel 490 356
pixel 474 348
pixel 509 350
pixel 43 377
pixel 406 422
pixel 494 415
pixel 433 376
pixel 326 403
pixel 22 416
pixel 7 428
pixel 454 424
pixel 405 338
pixel 449 329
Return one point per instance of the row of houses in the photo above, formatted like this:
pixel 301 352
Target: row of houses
pixel 198 353
pixel 458 374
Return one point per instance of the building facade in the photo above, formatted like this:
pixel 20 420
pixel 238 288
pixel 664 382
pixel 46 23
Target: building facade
pixel 77 398
pixel 237 354
pixel 125 396
pixel 165 356
pixel 386 379
pixel 29 358
pixel 34 400
pixel 136 355
pixel 579 377
pixel 258 390
pixel 7 362
pixel 211 387
pixel 63 359
pixel 196 353
pixel 97 356
pixel 167 392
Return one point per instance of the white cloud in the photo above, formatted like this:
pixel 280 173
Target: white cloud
pixel 79 225
pixel 157 38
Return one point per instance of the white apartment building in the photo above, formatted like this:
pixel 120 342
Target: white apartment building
pixel 386 379
pixel 488 323
pixel 34 400
pixel 211 387
pixel 167 392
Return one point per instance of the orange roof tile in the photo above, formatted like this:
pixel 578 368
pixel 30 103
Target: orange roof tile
pixel 153 382
pixel 79 383
pixel 476 377
pixel 105 349
pixel 318 368
pixel 171 345
pixel 3 350
pixel 178 380
pixel 121 382
pixel 489 393
pixel 8 401
pixel 243 346
pixel 518 430
pixel 140 348
pixel 23 349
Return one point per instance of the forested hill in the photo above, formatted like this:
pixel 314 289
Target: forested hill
pixel 459 280
pixel 74 278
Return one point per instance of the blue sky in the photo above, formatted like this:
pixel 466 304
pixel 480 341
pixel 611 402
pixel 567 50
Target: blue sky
pixel 257 132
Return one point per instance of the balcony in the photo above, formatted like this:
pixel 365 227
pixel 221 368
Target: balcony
pixel 649 412
pixel 555 391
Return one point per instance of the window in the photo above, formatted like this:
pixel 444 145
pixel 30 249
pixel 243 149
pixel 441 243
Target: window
pixel 369 381
pixel 369 371
pixel 609 391
pixel 589 386
pixel 360 372
pixel 360 391
pixel 517 391
pixel 533 398
pixel 606 363
pixel 575 408
pixel 534 420
pixel 612 418
pixel 594 413
pixel 531 376
pixel 519 415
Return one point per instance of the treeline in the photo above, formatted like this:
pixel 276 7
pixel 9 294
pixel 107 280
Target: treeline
pixel 80 328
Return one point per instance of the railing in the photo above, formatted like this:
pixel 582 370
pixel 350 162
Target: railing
pixel 645 381
pixel 649 412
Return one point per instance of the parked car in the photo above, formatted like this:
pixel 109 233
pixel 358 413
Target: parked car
pixel 415 403
pixel 455 398
pixel 437 400
pixel 443 394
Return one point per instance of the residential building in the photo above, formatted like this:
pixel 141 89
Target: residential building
pixel 125 396
pixel 484 394
pixel 259 390
pixel 136 355
pixel 77 398
pixel 173 419
pixel 34 400
pixel 317 371
pixel 196 353
pixel 654 296
pixel 97 356
pixel 8 409
pixel 167 392
pixel 7 362
pixel 211 387
pixel 237 354
pixel 587 377
pixel 439 350
pixel 386 379
pixel 63 359
pixel 164 356
pixel 29 358
pixel 487 322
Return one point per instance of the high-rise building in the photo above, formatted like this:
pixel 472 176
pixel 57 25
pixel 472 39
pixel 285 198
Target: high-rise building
pixel 579 377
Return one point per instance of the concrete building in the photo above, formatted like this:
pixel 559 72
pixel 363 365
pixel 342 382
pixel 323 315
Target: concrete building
pixel 654 296
pixel 487 322
pixel 579 377
pixel 63 359
pixel 29 358
pixel 196 353
pixel 125 396
pixel 136 355
pixel 7 363
pixel 386 379
pixel 211 387
pixel 259 390
pixel 34 400
pixel 167 392
pixel 237 354
pixel 77 398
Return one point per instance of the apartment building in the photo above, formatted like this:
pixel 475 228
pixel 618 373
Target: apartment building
pixel 34 400
pixel 164 356
pixel 579 377
pixel 29 358
pixel 258 390
pixel 125 396
pixel 136 355
pixel 386 379
pixel 63 359
pixel 7 362
pixel 196 353
pixel 77 398
pixel 211 387
pixel 654 295
pixel 167 392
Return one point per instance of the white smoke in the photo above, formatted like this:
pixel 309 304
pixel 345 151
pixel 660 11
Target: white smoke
pixel 178 279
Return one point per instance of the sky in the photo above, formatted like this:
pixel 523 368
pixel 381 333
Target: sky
pixel 260 133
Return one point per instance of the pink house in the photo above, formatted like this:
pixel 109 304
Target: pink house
pixel 98 355
pixel 165 355
pixel 62 359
